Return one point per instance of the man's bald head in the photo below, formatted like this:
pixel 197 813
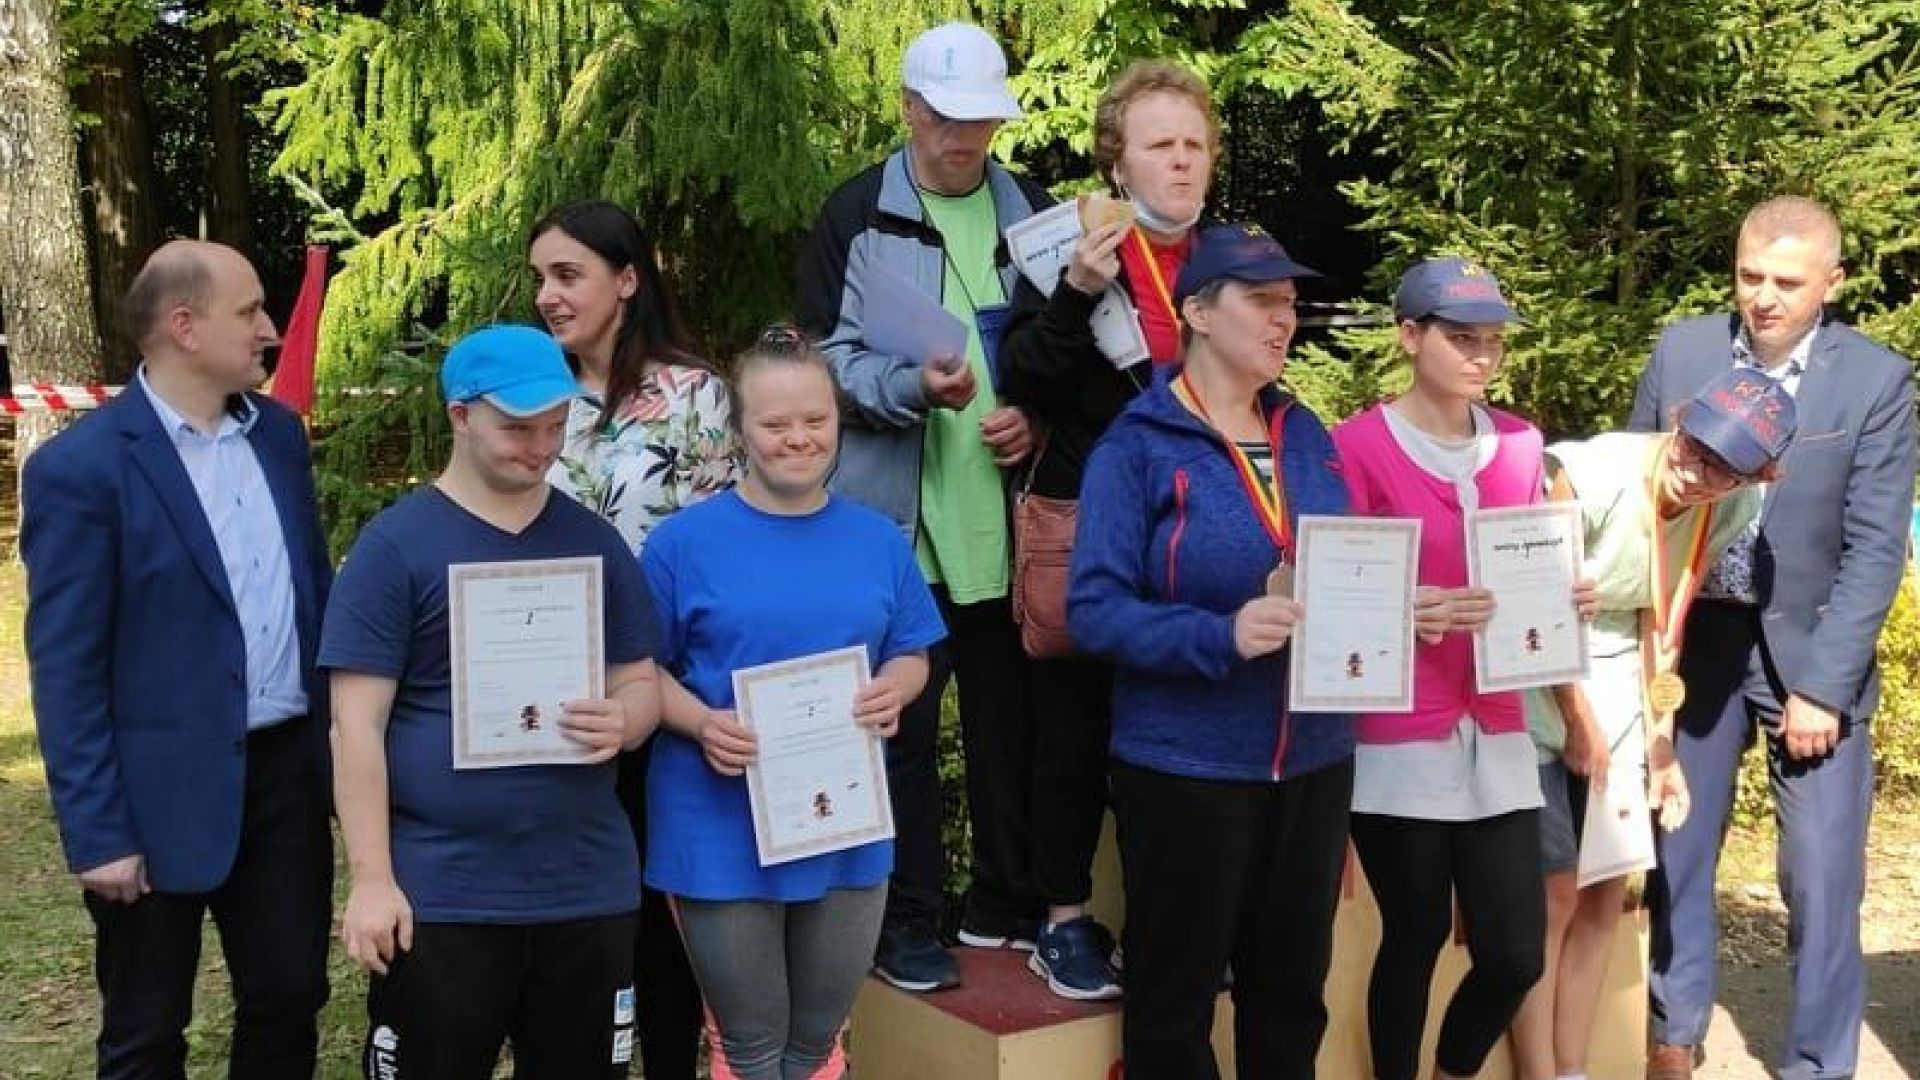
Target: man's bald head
pixel 181 273
pixel 1800 218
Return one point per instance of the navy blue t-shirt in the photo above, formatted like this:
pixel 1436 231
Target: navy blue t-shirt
pixel 526 844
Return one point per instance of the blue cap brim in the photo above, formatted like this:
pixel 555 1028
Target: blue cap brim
pixel 1724 436
pixel 1476 313
pixel 531 399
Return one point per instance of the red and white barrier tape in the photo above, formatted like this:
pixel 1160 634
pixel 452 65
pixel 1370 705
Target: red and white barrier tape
pixel 52 397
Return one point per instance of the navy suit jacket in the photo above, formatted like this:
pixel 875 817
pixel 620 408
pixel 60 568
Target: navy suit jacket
pixel 137 660
pixel 1833 536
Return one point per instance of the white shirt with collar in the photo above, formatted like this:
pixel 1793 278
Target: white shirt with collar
pixel 240 510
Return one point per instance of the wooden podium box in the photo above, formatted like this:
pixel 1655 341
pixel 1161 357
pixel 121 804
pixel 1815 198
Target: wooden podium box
pixel 1003 1024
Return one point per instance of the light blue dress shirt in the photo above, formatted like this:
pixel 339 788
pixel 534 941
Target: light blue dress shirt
pixel 239 506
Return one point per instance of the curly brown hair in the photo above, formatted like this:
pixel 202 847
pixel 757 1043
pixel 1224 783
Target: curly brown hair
pixel 1140 78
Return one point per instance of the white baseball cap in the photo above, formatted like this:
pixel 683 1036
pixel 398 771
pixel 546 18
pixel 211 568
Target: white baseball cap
pixel 961 73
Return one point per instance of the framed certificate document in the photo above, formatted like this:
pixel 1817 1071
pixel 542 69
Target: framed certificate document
pixel 1353 648
pixel 819 781
pixel 525 637
pixel 1530 557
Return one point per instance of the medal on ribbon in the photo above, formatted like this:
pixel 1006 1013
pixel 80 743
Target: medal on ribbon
pixel 1660 643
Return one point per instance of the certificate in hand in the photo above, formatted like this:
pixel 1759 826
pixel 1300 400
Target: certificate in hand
pixel 1617 836
pixel 819 781
pixel 1353 647
pixel 1530 557
pixel 524 638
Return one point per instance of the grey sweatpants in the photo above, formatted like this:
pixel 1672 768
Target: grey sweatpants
pixel 780 977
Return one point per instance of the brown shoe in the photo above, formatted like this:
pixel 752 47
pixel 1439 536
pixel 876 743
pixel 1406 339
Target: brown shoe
pixel 1665 1061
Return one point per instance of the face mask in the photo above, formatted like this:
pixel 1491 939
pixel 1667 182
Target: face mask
pixel 1154 222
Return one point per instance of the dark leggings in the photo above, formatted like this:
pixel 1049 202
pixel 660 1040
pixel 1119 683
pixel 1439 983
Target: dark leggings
pixel 1416 869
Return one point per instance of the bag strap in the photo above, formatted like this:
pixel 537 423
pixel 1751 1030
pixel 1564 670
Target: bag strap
pixel 1033 463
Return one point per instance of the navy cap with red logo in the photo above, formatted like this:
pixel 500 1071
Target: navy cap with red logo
pixel 1242 253
pixel 1744 416
pixel 1452 289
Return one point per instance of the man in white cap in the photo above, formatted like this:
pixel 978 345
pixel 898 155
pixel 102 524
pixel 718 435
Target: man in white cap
pixel 928 443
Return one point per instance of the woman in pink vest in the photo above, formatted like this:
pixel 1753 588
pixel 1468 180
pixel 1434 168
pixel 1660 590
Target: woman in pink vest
pixel 1446 798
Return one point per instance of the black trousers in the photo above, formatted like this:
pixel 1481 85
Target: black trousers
pixel 1417 869
pixel 563 992
pixel 669 1013
pixel 982 653
pixel 1073 723
pixel 274 915
pixel 1222 873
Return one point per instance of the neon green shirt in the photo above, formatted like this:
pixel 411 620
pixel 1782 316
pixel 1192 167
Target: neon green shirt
pixel 962 540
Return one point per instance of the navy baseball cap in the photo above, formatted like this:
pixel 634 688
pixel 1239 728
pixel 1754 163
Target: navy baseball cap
pixel 1242 253
pixel 1744 416
pixel 1452 289
pixel 517 369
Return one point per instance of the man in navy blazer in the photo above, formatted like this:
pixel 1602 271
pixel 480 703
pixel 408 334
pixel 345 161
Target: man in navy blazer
pixel 1781 642
pixel 175 578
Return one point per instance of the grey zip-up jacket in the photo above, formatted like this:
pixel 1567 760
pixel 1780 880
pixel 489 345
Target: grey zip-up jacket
pixel 876 224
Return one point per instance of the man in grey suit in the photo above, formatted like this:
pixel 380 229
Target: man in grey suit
pixel 1781 641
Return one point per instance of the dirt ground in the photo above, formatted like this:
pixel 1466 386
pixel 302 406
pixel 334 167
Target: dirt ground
pixel 1748 1026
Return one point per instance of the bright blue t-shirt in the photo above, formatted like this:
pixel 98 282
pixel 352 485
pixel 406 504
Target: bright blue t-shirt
pixel 735 587
pixel 519 845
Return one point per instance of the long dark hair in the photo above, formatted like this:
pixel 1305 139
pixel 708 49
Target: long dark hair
pixel 650 328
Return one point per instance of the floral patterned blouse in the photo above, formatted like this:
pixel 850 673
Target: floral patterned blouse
pixel 669 447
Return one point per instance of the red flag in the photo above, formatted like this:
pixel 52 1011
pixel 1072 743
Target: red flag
pixel 293 378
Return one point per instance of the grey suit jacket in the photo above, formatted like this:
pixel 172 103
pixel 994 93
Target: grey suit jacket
pixel 1833 536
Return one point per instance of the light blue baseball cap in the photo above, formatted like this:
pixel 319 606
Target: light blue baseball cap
pixel 516 369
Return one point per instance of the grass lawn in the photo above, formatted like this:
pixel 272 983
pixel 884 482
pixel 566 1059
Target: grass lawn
pixel 48 1013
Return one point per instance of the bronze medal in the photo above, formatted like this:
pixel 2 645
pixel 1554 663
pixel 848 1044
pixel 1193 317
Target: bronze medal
pixel 1666 693
pixel 1280 580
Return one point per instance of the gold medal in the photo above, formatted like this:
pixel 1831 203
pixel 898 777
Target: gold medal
pixel 1666 693
pixel 1280 581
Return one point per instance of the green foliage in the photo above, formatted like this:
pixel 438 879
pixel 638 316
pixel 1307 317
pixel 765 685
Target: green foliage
pixel 1598 158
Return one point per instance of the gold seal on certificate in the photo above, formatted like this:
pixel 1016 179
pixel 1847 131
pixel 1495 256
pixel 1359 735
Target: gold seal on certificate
pixel 1530 557
pixel 1666 693
pixel 819 780
pixel 1352 650
pixel 524 638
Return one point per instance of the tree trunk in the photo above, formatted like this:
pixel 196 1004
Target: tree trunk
pixel 118 155
pixel 230 217
pixel 43 248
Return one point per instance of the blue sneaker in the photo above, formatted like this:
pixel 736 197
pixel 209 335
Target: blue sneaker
pixel 1071 958
pixel 911 958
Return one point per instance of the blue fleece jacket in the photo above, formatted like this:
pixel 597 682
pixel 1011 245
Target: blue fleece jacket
pixel 1168 548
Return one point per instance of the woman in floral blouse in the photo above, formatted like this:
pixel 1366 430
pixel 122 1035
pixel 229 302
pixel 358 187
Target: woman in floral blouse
pixel 647 435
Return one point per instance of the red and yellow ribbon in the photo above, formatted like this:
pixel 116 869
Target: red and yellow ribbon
pixel 1269 498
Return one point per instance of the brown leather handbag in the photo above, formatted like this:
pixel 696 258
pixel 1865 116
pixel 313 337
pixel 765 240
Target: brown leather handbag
pixel 1042 548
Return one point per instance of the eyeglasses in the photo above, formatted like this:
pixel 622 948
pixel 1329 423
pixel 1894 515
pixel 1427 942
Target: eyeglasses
pixel 1694 452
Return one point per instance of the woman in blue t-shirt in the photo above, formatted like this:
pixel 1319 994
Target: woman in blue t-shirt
pixel 776 569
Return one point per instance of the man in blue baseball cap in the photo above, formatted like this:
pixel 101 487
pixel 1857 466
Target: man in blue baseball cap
pixel 1656 510
pixel 481 884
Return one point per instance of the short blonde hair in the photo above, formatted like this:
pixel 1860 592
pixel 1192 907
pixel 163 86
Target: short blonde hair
pixel 1796 216
pixel 1140 78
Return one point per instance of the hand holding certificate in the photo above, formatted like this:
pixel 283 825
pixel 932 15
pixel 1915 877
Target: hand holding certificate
pixel 818 781
pixel 1353 649
pixel 525 638
pixel 1529 557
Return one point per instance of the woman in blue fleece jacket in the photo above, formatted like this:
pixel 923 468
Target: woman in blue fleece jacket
pixel 1232 813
